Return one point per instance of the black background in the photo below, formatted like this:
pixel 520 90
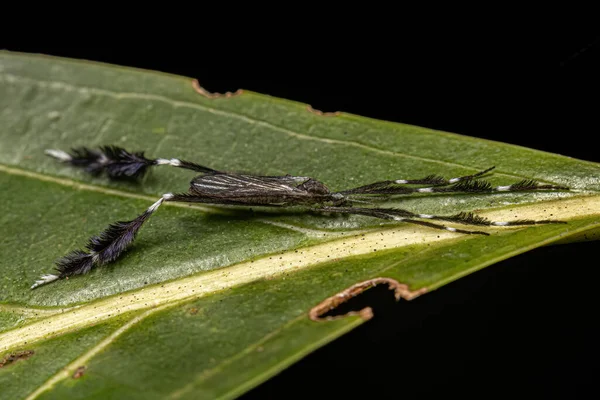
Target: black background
pixel 523 327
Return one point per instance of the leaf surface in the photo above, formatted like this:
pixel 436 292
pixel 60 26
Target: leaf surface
pixel 209 302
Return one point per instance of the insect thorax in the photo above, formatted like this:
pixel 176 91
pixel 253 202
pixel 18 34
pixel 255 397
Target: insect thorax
pixel 313 186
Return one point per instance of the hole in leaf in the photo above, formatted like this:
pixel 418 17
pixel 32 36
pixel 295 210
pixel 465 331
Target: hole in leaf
pixel 347 301
pixel 380 299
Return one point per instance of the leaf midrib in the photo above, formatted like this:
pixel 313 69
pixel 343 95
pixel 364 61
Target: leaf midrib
pixel 84 358
pixel 217 280
pixel 227 277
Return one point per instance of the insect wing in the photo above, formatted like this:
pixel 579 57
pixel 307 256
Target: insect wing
pixel 225 185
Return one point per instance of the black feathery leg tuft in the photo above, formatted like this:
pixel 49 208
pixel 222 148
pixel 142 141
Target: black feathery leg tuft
pixel 437 180
pixel 390 187
pixel 469 187
pixel 125 164
pixel 75 263
pixel 103 248
pixel 119 163
pixel 463 186
pixel 87 158
pixel 428 180
pixel 528 184
pixel 115 161
pixel 467 218
pixel 109 245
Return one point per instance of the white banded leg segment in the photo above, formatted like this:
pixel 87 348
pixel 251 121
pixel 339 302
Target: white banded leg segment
pixel 527 185
pixel 526 222
pixel 500 223
pixel 44 279
pixel 153 207
pixel 438 226
pixel 59 155
pixel 440 180
pixel 174 162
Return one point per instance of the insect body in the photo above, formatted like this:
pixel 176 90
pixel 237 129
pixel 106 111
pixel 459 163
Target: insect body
pixel 228 188
pixel 273 191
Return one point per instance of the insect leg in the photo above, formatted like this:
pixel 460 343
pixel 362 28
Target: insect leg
pixel 439 180
pixel 468 218
pixel 101 249
pixel 434 180
pixel 118 162
pixel 460 218
pixel 465 186
pixel 396 215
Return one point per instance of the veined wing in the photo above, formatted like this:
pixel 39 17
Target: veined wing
pixel 224 185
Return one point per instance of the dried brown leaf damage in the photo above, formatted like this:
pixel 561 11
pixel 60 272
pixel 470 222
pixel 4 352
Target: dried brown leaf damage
pixel 400 291
pixel 79 372
pixel 321 113
pixel 200 90
pixel 14 357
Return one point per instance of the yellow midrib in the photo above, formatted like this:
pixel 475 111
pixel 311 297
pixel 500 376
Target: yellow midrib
pixel 206 283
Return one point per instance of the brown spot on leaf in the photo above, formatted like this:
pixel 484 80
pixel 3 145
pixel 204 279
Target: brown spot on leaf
pixel 193 311
pixel 400 291
pixel 200 90
pixel 14 357
pixel 321 113
pixel 79 372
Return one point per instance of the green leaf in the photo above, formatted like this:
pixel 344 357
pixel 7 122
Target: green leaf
pixel 209 302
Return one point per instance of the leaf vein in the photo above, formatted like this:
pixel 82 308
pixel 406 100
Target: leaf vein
pixel 239 116
pixel 69 369
pixel 242 353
